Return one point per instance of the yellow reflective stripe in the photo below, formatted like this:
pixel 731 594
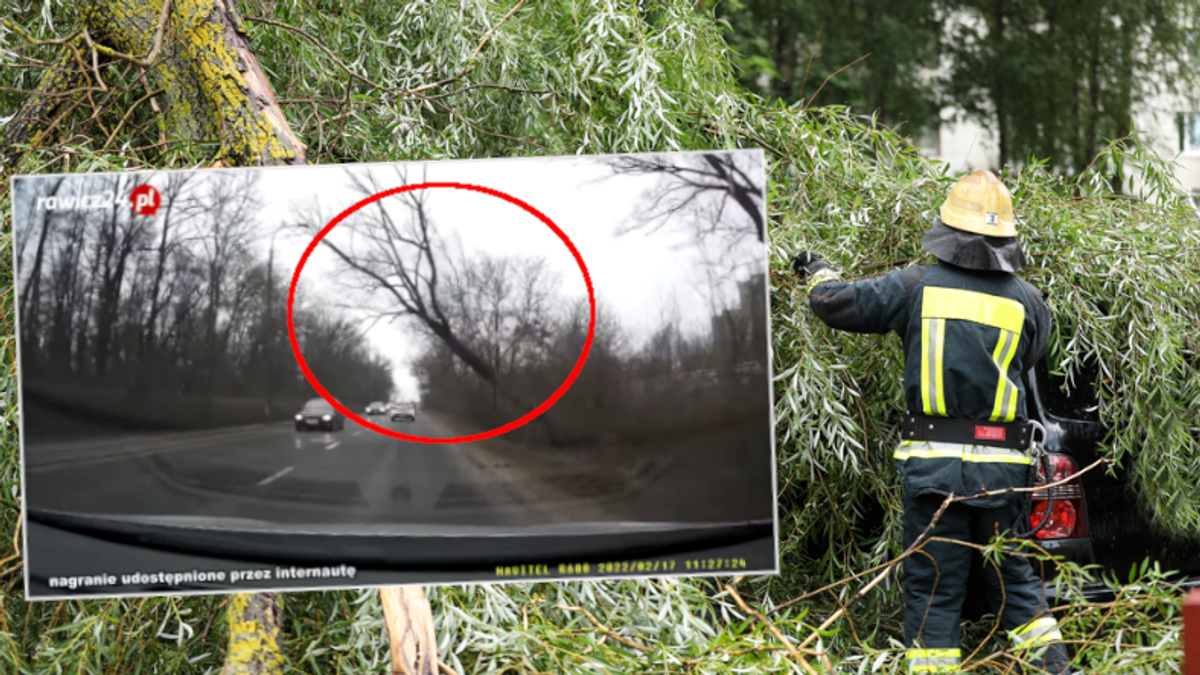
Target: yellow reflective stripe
pixel 979 454
pixel 933 333
pixel 974 457
pixel 933 660
pixel 821 277
pixel 1040 622
pixel 1005 409
pixel 927 401
pixel 989 310
pixel 1038 631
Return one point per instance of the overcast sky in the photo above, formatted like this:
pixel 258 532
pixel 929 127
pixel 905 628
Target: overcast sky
pixel 637 275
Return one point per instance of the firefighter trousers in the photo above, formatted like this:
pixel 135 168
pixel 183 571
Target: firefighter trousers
pixel 935 586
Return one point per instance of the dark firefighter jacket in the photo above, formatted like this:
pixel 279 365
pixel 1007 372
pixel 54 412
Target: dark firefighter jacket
pixel 968 336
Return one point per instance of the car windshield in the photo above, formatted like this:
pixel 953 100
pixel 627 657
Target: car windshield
pixel 318 404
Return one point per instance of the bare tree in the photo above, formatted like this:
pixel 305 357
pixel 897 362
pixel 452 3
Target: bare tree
pixel 179 207
pixel 698 189
pixel 31 297
pixel 500 307
pixel 401 258
pixel 542 338
pixel 231 209
pixel 120 232
pixel 718 199
pixel 68 298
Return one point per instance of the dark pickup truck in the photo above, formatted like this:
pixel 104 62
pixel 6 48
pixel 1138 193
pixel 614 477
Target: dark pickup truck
pixel 1095 518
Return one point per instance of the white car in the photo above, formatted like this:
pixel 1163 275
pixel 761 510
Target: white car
pixel 404 411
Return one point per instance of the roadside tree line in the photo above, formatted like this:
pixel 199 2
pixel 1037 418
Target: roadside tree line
pixel 177 317
pixel 631 389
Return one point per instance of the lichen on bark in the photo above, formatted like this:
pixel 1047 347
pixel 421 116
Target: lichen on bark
pixel 254 635
pixel 213 87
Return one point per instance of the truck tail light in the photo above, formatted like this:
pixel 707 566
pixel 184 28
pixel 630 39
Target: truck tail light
pixel 1068 512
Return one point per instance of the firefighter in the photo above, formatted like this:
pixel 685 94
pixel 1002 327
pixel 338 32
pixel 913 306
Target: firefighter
pixel 970 327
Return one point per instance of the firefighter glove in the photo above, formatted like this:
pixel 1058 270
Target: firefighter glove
pixel 805 263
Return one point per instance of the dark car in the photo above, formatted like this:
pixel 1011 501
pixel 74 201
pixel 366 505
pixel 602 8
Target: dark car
pixel 319 414
pixel 404 411
pixel 377 408
pixel 1095 518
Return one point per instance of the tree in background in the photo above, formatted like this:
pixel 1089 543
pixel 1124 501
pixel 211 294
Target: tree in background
pixel 403 257
pixel 716 201
pixel 1050 79
pixel 799 53
pixel 500 307
pixel 705 192
pixel 1060 80
pixel 177 310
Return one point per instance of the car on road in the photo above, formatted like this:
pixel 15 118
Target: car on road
pixel 377 408
pixel 319 414
pixel 404 411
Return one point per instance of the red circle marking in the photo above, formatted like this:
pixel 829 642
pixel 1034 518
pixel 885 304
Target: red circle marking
pixel 515 424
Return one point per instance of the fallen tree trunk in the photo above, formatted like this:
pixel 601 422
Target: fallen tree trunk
pixel 196 52
pixel 254 635
pixel 411 637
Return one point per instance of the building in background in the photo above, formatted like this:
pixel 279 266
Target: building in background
pixel 1170 127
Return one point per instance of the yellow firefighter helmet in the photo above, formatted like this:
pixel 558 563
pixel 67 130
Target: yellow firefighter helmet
pixel 980 204
pixel 975 227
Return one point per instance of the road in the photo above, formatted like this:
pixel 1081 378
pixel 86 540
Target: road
pixel 275 473
pixel 357 480
pixel 354 475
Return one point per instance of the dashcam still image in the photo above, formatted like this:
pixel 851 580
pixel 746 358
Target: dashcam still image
pixel 341 376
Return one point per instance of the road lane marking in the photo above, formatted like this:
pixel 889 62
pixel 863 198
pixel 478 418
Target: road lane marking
pixel 276 475
pixel 333 445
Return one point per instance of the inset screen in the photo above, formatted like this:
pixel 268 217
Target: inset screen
pixel 360 375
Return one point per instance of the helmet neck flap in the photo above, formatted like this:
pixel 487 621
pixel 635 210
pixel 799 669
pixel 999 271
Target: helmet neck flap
pixel 973 251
